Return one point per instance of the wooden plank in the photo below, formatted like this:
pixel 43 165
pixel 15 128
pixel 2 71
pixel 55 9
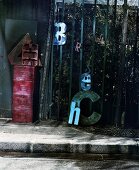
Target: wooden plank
pixel 14 54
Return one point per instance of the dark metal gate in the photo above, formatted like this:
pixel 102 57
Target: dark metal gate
pixel 104 37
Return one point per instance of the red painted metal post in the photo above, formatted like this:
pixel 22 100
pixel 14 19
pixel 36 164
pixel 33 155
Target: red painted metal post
pixel 24 78
pixel 23 90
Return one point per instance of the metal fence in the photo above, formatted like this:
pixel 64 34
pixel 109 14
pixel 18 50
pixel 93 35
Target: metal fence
pixel 102 36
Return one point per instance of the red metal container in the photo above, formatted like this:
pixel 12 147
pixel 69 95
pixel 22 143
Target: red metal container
pixel 23 91
pixel 23 115
pixel 23 73
pixel 23 87
pixel 22 101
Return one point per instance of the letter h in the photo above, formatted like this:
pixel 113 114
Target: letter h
pixel 76 111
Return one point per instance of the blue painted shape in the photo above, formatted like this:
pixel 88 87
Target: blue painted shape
pixel 77 116
pixel 60 37
pixel 85 81
pixel 76 111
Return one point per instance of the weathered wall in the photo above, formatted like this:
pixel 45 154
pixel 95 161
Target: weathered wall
pixel 23 11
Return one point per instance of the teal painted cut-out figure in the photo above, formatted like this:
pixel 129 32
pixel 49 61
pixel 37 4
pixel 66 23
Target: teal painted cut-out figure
pixel 74 111
pixel 75 103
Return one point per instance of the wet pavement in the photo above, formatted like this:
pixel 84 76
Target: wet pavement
pixel 56 146
pixel 65 162
pixel 56 137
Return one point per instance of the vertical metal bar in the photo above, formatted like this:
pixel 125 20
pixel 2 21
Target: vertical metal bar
pixel 60 69
pixel 72 48
pixel 63 10
pixel 51 81
pixel 135 90
pixel 94 19
pixel 105 55
pixel 2 17
pixel 51 68
pixel 60 77
pixel 94 35
pixel 113 54
pixel 121 68
pixel 81 50
pixel 91 61
pixel 136 46
pixel 115 12
pixel 44 101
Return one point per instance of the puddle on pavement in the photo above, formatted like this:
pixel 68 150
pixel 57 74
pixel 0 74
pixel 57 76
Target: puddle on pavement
pixel 77 156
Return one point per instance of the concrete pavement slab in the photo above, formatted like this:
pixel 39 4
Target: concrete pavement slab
pixel 61 139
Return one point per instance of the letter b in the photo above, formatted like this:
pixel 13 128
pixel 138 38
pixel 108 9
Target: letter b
pixel 60 37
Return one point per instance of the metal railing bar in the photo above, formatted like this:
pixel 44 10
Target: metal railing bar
pixel 105 55
pixel 121 68
pixel 82 36
pixel 52 65
pixel 94 37
pixel 72 49
pixel 60 68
